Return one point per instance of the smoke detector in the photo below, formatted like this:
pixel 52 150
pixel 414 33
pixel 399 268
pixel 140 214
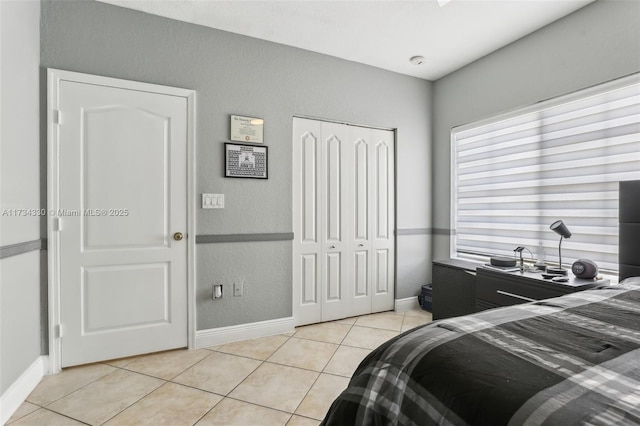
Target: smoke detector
pixel 417 60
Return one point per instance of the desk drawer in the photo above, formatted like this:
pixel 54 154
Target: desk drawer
pixel 503 291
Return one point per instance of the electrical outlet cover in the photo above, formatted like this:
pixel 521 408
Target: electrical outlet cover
pixel 237 289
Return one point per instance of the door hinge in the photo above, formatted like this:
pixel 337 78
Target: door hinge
pixel 57 116
pixel 57 224
pixel 58 330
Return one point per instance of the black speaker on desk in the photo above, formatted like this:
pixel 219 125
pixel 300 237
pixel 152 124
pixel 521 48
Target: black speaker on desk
pixel 584 268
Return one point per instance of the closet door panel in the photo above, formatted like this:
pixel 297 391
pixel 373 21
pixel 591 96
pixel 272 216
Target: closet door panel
pixel 334 189
pixel 382 206
pixel 307 247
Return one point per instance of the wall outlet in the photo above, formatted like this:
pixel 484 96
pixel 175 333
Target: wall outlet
pixel 217 291
pixel 237 289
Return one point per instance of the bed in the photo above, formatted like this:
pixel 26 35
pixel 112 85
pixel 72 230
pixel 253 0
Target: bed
pixel 564 361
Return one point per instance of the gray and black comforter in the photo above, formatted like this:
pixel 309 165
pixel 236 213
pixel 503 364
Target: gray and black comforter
pixel 571 360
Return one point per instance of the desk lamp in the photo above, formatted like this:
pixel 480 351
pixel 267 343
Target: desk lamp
pixel 561 229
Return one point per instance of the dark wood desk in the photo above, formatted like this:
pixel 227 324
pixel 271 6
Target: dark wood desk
pixel 461 287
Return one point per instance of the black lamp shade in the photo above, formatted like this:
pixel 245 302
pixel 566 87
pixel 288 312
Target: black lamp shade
pixel 560 228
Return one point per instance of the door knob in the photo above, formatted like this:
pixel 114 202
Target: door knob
pixel 332 247
pixel 361 245
pixel 178 236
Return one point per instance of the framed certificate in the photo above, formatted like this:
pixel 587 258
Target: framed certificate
pixel 245 161
pixel 247 129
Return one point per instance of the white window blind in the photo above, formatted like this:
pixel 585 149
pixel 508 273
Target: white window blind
pixel 515 174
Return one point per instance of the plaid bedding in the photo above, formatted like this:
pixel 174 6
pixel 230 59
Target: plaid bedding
pixel 571 360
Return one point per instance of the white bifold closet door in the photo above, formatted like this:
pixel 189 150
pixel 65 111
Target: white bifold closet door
pixel 343 218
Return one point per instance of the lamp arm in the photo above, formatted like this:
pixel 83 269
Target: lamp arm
pixel 560 252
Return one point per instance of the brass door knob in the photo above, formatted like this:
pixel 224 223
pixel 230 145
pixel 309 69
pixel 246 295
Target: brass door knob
pixel 178 236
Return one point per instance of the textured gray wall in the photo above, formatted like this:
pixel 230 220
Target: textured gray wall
pixel 19 187
pixel 599 42
pixel 233 74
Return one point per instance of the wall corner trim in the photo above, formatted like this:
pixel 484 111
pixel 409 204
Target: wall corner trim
pixel 19 390
pixel 234 333
pixel 407 304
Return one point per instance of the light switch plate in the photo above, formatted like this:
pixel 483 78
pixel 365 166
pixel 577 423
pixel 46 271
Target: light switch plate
pixel 212 201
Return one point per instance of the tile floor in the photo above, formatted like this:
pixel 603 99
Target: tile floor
pixel 288 379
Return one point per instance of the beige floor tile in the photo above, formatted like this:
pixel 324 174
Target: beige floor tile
pixel 167 365
pixel 302 353
pixel 418 313
pixel 324 391
pixel 56 386
pixel 231 412
pixel 106 397
pixel 218 372
pixel 121 362
pixel 414 321
pixel 23 410
pixel 368 338
pixel 302 421
pixel 348 321
pixel 276 386
pixel 345 361
pixel 43 417
pixel 170 405
pixel 261 348
pixel 329 332
pixel 384 320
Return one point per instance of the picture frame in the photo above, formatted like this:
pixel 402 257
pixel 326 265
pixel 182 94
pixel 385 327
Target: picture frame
pixel 246 161
pixel 246 129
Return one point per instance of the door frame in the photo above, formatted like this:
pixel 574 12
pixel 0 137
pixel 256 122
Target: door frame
pixel 54 77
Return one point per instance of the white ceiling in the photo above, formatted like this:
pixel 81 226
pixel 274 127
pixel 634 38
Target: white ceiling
pixel 382 33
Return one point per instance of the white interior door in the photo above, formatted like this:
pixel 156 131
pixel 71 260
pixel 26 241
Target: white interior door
pixel 334 225
pixel 382 202
pixel 343 220
pixel 307 251
pixel 120 219
pixel 372 218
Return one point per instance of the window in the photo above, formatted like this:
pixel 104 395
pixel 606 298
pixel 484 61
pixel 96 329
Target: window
pixel 515 174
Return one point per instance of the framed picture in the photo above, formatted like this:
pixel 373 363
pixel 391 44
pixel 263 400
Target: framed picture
pixel 245 161
pixel 247 129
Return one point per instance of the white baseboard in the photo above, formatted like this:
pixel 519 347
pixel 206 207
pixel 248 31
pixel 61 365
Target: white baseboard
pixel 408 304
pixel 19 390
pixel 234 333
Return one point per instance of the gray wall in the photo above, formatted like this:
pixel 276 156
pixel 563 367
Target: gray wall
pixel 20 253
pixel 233 74
pixel 595 44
